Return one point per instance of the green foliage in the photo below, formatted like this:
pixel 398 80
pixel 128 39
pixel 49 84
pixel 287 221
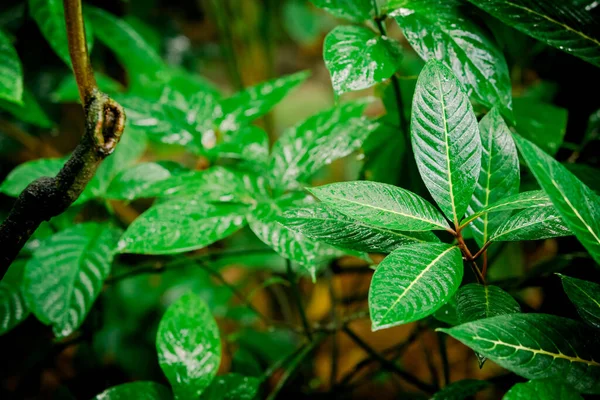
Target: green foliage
pixel 586 297
pixel 541 389
pixel 138 390
pixel 12 302
pixel 11 74
pixel 460 390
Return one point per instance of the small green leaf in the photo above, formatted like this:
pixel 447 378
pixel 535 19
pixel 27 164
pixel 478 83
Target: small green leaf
pixel 324 224
pixel 322 138
pixel 136 390
pixel 441 31
pixel 543 124
pixel 66 274
pixel 50 18
pixel 381 205
pixel 30 111
pixel 188 346
pixel 181 224
pixel 537 346
pixel 577 204
pixel 475 301
pixel 11 72
pixel 542 389
pixel 413 282
pixel 12 303
pixel 232 387
pixel 357 58
pixel 553 22
pixel 499 176
pixel 461 390
pixel 531 224
pixel 586 297
pixel 353 10
pixel 445 139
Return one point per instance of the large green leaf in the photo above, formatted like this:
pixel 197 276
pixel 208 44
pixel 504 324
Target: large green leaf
pixel 66 274
pixel 324 224
pixel 11 73
pixel 460 390
pixel 310 145
pixel 445 139
pixel 537 346
pixel 586 297
pixel 541 389
pixel 182 224
pixel 530 199
pixel 413 282
pixel 30 111
pixel 136 390
pixel 188 346
pixel 12 303
pixel 553 22
pixel 381 205
pixel 440 31
pixel 543 124
pixel 577 204
pixel 358 58
pixel 531 224
pixel 499 176
pixel 475 301
pixel 353 10
pixel 232 387
pixel 50 18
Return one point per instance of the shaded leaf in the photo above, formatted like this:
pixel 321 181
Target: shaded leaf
pixel 67 91
pixel 248 143
pixel 460 390
pixel 447 312
pixel 542 389
pixel 30 111
pixel 188 346
pixel 445 139
pixel 532 224
pixel 475 301
pixel 543 124
pixel 138 390
pixel 11 72
pixel 353 10
pixel 586 297
pixel 25 173
pixel 13 309
pixel 232 387
pixel 413 282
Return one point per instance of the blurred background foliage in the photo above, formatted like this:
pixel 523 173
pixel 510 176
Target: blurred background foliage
pixel 233 44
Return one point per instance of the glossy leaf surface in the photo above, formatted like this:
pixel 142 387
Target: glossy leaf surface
pixel 136 390
pixel 144 180
pixel 232 387
pixel 475 301
pixel 13 309
pixel 541 389
pixel 586 297
pixel 532 224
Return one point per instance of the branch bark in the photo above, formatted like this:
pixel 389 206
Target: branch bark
pixel 48 197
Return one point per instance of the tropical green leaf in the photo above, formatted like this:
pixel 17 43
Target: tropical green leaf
pixel 188 346
pixel 447 313
pixel 50 18
pixel 232 387
pixel 358 58
pixel 310 145
pixel 381 205
pixel 537 346
pixel 556 23
pixel 30 111
pixel 24 174
pixel 324 224
pixel 499 176
pixel 541 389
pixel 440 31
pixel 531 224
pixel 413 282
pixel 460 390
pixel 353 10
pixel 248 143
pixel 529 199
pixel 136 390
pixel 445 139
pixel 586 297
pixel 12 303
pixel 66 274
pixel 475 301
pixel 182 224
pixel 543 124
pixel 577 204
pixel 11 72
pixel 68 92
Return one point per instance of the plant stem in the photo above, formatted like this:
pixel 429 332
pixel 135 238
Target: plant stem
pixel 469 257
pixel 298 298
pixel 444 356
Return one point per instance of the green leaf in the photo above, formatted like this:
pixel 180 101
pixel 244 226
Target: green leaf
pixel 12 303
pixel 310 145
pixel 529 199
pixel 67 91
pixel 232 387
pixel 537 346
pixel 413 282
pixel 181 224
pixel 248 143
pixel 586 297
pixel 358 58
pixel 324 224
pixel 144 180
pixel 531 224
pixel 440 31
pixel 353 10
pixel 577 204
pixel 475 301
pixel 447 312
pixel 445 139
pixel 543 389
pixel 460 390
pixel 254 102
pixel 300 22
pixel 30 111
pixel 543 124
pixel 499 176
pixel 50 18
pixel 188 346
pixel 381 205
pixel 11 72
pixel 66 274
pixel 553 22
pixel 136 390
pixel 25 173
